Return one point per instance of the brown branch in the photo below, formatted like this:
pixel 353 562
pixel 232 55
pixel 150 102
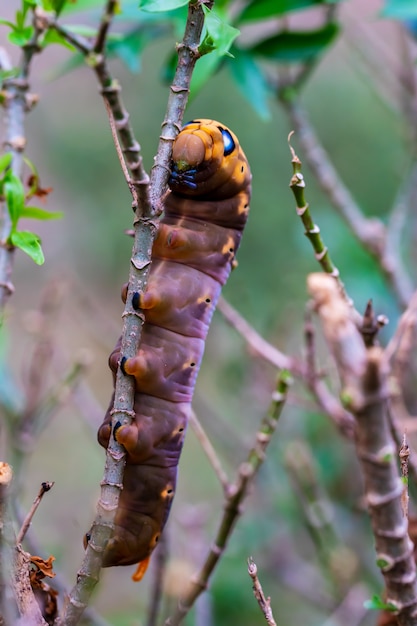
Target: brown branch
pixel 6 475
pixel 234 499
pixel 364 376
pixel 145 229
pixel 264 603
pixel 27 606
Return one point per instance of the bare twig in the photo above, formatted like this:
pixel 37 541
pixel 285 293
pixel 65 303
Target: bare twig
pixel 209 450
pixel 257 344
pixel 318 388
pixel 264 603
pixel 312 231
pixel 235 497
pixel 262 348
pixel 159 567
pixel 364 378
pixel 45 487
pixel 371 233
pixel 106 19
pixel 6 475
pixel 338 562
pixel 404 455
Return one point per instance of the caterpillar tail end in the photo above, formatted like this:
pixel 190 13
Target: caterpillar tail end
pixel 141 570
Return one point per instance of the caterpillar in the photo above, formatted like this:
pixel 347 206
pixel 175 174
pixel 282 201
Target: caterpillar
pixel 194 251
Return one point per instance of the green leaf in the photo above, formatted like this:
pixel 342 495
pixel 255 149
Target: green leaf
pixel 376 603
pixel 251 81
pixel 5 161
pixel 36 213
pixel 21 36
pixel 52 37
pixel 400 9
pixel 29 243
pixel 54 5
pixel 15 196
pixel 264 9
pixel 154 6
pixel 219 35
pixel 7 23
pixel 296 46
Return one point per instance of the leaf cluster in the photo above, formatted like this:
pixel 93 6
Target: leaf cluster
pixel 13 192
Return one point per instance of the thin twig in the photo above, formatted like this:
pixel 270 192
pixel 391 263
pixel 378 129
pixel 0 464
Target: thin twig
pixel 257 344
pixel 262 348
pixel 45 487
pixel 312 230
pixel 337 560
pixel 371 233
pixel 106 19
pixel 314 382
pixel 235 497
pixel 264 603
pixel 159 566
pixel 209 450
pixel 404 455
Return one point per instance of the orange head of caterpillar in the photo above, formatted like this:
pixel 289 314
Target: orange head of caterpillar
pixel 207 160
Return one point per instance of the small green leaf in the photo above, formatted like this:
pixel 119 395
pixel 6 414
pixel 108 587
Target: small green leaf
pixel 264 9
pixel 154 6
pixel 296 46
pixel 251 81
pixel 54 5
pixel 218 33
pixel 400 9
pixel 376 603
pixel 21 36
pixel 7 23
pixel 36 213
pixel 5 161
pixel 29 243
pixel 15 196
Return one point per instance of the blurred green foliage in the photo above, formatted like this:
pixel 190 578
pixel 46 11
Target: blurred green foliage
pixel 70 142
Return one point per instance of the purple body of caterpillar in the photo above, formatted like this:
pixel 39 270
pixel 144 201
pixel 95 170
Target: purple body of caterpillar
pixel 193 254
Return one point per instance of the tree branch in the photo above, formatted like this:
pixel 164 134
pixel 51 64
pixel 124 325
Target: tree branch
pixel 365 388
pixel 145 229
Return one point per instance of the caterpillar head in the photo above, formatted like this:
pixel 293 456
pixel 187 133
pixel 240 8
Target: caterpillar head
pixel 207 161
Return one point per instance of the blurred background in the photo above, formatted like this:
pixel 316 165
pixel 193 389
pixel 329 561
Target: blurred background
pixel 358 117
